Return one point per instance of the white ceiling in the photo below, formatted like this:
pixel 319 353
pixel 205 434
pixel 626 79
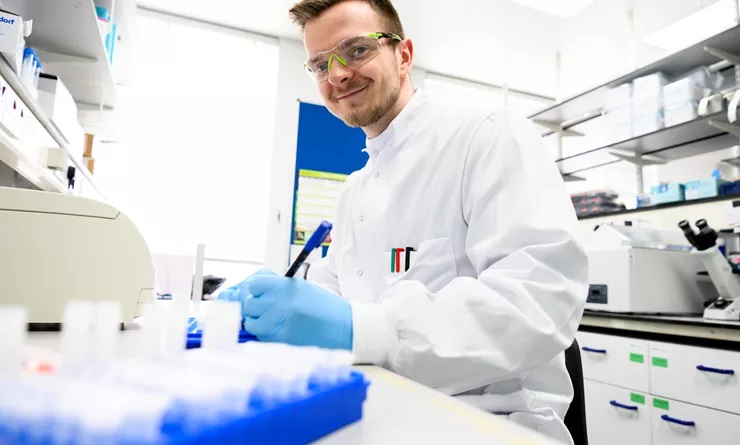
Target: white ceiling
pixel 492 41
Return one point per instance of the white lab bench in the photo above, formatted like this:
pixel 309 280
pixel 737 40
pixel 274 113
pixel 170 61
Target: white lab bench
pixel 659 380
pixel 397 410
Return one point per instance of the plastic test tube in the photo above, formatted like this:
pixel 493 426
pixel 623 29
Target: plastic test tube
pixel 105 330
pixel 176 325
pixel 164 330
pixel 13 321
pixel 222 325
pixel 75 347
pixel 150 340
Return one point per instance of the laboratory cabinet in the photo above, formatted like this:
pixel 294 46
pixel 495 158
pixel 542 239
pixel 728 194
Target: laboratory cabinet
pixel 675 422
pixel 706 377
pixel 614 360
pixel 645 392
pixel 616 416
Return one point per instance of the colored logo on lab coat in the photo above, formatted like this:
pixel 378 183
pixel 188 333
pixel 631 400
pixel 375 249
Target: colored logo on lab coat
pixel 401 259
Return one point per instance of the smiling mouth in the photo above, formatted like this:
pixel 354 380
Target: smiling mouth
pixel 353 93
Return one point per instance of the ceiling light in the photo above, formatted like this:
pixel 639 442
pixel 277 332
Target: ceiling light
pixel 695 27
pixel 560 8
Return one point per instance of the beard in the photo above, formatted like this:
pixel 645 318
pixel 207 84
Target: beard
pixel 390 90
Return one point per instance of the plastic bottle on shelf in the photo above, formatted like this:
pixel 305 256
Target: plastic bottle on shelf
pixel 28 66
pixel 37 74
pixel 28 69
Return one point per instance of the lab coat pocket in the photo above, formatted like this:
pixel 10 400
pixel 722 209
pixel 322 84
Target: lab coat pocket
pixel 432 264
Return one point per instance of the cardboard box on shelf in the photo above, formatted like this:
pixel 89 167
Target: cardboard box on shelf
pixel 692 87
pixel 649 85
pixel 13 115
pixel 58 105
pixel 11 39
pixel 667 192
pixel 702 188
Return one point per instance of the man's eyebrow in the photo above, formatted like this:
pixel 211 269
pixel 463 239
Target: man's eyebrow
pixel 314 59
pixel 343 44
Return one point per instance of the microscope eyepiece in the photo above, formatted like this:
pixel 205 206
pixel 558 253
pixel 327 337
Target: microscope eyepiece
pixel 688 232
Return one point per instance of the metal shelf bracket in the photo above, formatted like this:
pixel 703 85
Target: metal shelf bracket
pixel 52 57
pixel 640 161
pixel 732 107
pixel 561 132
pixel 724 126
pixel 572 178
pixel 728 57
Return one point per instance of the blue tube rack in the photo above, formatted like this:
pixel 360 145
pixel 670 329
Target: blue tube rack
pixel 326 409
pixel 195 335
pixel 300 421
pixel 195 338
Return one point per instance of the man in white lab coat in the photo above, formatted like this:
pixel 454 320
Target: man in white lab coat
pixel 454 260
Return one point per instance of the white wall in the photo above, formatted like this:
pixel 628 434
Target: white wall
pixel 601 44
pixel 293 85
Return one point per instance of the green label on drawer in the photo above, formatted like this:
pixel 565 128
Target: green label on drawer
pixel 660 403
pixel 637 358
pixel 637 398
pixel 660 362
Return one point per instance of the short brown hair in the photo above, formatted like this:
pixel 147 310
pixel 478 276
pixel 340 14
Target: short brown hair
pixel 305 10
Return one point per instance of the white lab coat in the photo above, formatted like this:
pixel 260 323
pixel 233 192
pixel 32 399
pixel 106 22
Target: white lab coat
pixel 497 279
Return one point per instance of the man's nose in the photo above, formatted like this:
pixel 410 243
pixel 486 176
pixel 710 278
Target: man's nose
pixel 339 74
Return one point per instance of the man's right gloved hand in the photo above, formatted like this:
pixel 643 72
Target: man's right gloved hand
pixel 240 292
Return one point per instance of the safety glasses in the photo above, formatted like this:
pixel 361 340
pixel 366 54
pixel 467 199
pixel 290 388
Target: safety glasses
pixel 351 52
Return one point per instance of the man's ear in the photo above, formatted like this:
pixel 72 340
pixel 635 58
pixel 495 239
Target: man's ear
pixel 406 56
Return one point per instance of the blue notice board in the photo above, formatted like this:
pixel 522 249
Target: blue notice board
pixel 325 144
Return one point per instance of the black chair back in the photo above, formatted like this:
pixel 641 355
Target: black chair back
pixel 575 418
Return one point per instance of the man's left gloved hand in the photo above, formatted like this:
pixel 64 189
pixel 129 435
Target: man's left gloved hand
pixel 297 312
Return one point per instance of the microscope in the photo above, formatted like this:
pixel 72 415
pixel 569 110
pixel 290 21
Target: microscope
pixel 727 305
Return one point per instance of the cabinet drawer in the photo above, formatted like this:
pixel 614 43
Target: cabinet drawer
pixel 675 422
pixel 702 376
pixel 619 361
pixel 616 416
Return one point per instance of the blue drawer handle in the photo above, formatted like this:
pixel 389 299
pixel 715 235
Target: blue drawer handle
pixel 668 418
pixel 715 370
pixel 597 351
pixel 619 405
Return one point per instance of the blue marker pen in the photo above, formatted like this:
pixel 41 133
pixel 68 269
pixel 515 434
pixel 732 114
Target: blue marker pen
pixel 315 241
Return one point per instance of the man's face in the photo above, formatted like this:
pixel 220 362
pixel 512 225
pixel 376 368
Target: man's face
pixel 363 95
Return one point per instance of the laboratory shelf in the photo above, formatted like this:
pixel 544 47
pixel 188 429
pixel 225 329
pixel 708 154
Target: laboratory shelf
pixel 666 205
pixel 669 144
pixel 34 172
pixel 38 175
pixel 69 43
pixel 588 104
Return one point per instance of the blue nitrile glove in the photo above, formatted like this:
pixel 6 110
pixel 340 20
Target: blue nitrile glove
pixel 240 292
pixel 297 312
